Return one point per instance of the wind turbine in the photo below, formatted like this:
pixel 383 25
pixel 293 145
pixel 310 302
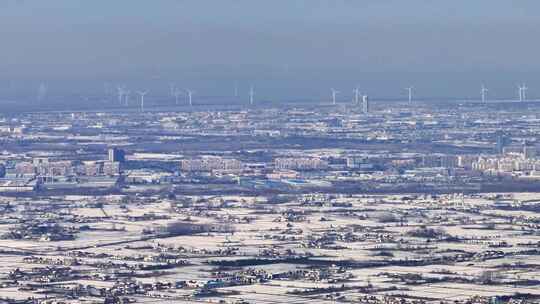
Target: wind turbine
pixel 142 94
pixel 251 95
pixel 356 92
pixel 483 91
pixel 177 93
pixel 126 99
pixel 172 89
pixel 334 93
pixel 524 88
pixel 520 90
pixel 107 90
pixel 120 91
pixel 410 90
pixel 190 96
pixel 42 91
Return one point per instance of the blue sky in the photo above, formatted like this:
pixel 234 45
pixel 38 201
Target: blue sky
pixel 285 47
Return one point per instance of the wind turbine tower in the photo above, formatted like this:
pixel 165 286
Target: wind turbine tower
pixel 120 91
pixel 107 90
pixel 142 94
pixel 42 91
pixel 126 100
pixel 520 89
pixel 410 90
pixel 177 93
pixel 190 96
pixel 251 95
pixel 524 94
pixel 172 89
pixel 483 91
pixel 334 94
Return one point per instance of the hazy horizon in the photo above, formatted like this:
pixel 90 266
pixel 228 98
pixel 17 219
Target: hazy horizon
pixel 286 49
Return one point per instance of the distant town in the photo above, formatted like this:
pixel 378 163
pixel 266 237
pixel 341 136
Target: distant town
pixel 357 202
